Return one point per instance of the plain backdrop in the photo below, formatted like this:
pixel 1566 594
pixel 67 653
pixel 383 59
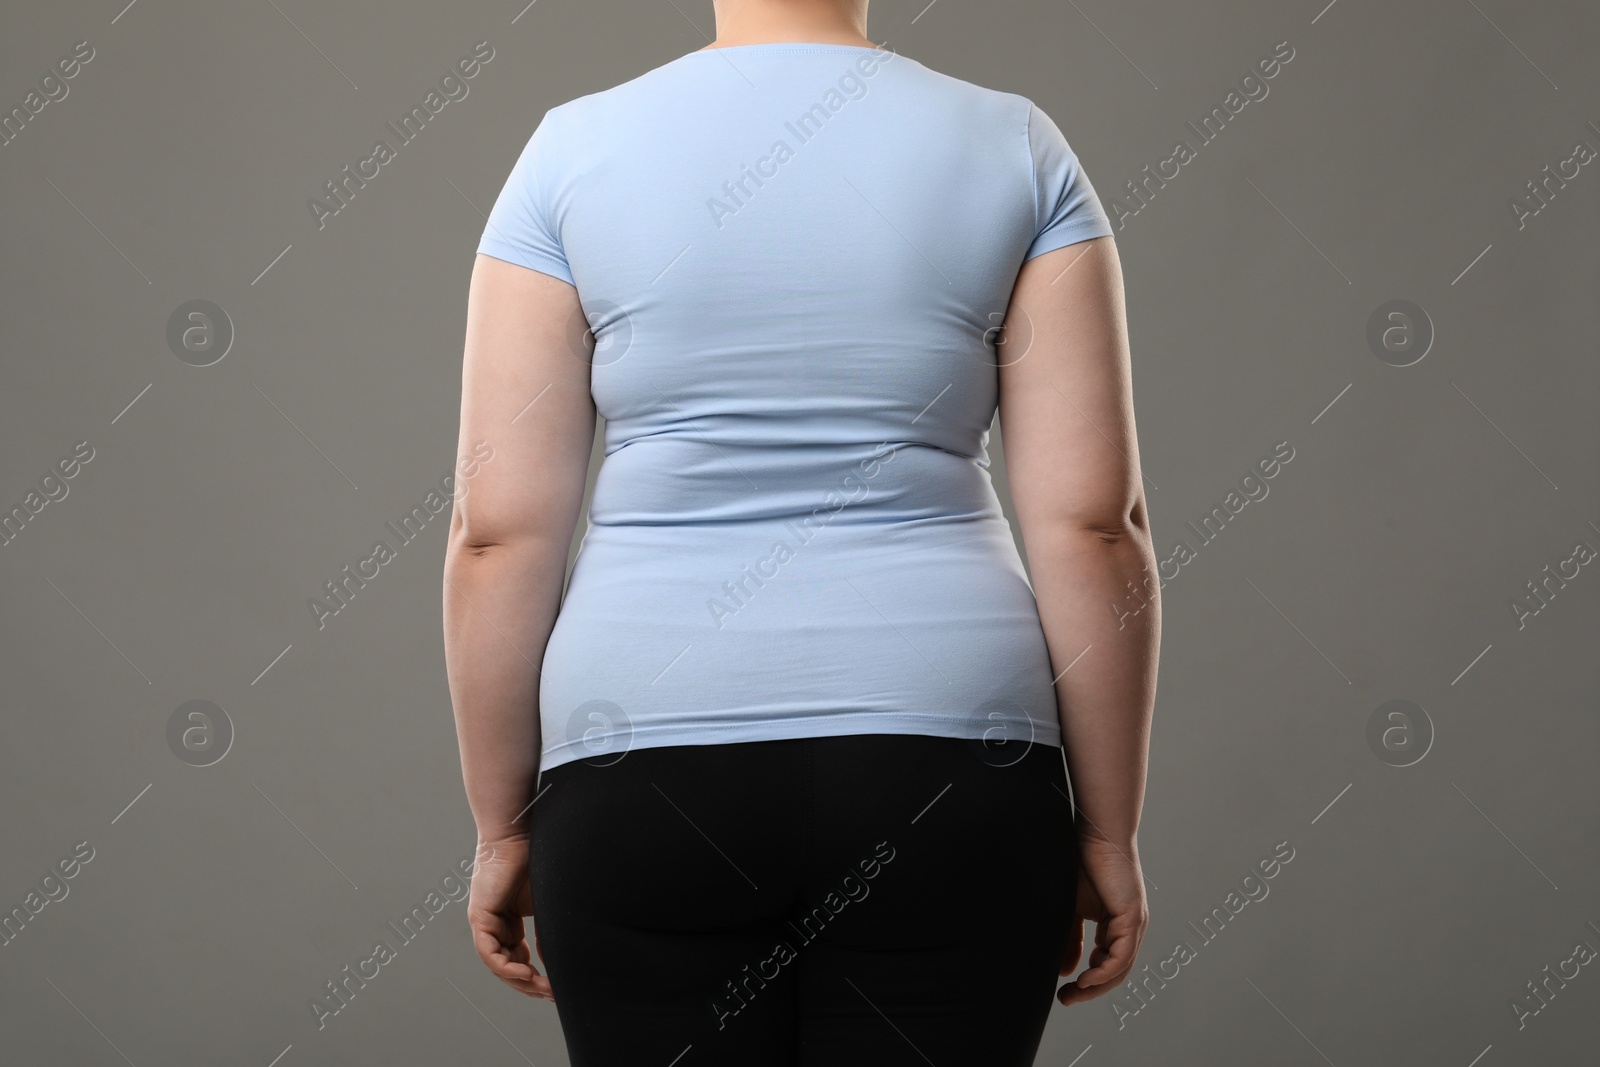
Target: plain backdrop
pixel 1385 563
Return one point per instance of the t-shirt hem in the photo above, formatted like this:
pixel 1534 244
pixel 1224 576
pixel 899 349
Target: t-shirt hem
pixel 874 722
pixel 539 261
pixel 1072 233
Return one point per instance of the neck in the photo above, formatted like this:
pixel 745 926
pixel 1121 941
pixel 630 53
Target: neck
pixel 742 22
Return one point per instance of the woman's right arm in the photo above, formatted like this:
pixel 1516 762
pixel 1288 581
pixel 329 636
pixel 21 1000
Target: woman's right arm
pixel 525 395
pixel 1072 460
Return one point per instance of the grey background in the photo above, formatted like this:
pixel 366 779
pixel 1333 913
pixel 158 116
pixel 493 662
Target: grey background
pixel 1382 565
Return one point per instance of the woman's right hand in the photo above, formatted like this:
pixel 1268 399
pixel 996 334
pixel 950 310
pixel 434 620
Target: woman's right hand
pixel 499 899
pixel 1110 895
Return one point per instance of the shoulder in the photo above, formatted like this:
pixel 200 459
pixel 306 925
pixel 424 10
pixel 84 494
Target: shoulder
pixel 618 101
pixel 583 128
pixel 996 109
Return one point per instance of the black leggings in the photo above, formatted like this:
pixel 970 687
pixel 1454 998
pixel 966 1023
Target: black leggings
pixel 867 899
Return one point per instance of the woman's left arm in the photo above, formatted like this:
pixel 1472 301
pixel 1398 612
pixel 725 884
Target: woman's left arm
pixel 527 429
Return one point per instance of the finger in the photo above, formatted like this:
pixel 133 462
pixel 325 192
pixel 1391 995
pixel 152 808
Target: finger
pixel 1073 951
pixel 1102 930
pixel 1099 947
pixel 506 929
pixel 504 961
pixel 518 974
pixel 1074 993
pixel 538 986
pixel 1116 962
pixel 518 953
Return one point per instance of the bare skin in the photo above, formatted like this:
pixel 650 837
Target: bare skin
pixel 769 21
pixel 504 568
pixel 1072 460
pixel 1067 415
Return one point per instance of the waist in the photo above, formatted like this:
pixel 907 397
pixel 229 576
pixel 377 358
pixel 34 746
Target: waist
pixel 681 482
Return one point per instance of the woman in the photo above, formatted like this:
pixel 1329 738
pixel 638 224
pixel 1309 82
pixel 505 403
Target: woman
pixel 799 730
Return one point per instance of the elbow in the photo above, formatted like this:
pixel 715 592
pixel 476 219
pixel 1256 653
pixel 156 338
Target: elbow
pixel 474 547
pixel 1111 533
pixel 1129 524
pixel 1124 530
pixel 478 541
pixel 487 525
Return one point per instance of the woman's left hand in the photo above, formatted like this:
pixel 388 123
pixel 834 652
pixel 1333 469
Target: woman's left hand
pixel 500 897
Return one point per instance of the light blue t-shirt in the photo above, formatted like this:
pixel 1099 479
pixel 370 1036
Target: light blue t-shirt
pixel 795 259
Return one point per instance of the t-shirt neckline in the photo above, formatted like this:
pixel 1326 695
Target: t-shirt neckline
pixel 801 46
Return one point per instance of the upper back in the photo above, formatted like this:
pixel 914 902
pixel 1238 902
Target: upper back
pixel 785 245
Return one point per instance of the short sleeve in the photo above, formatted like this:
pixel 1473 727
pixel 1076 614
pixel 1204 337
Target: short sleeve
pixel 522 227
pixel 1066 207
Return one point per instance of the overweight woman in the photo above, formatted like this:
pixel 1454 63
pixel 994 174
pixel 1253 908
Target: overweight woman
pixel 798 768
